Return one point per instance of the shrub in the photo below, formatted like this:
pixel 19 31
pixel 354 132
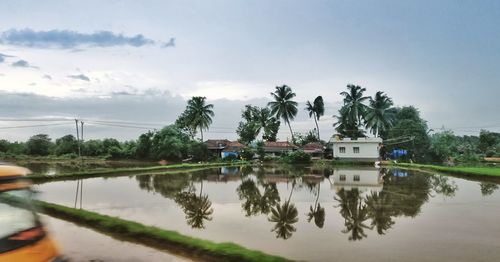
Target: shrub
pixel 247 153
pixel 297 157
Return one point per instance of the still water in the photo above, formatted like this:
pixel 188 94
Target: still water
pixel 311 214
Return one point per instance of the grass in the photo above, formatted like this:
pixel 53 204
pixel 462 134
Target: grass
pixel 478 171
pixel 157 237
pixel 126 171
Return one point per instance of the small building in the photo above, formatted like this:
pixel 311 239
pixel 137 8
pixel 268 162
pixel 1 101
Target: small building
pixel 224 147
pixel 279 148
pixel 315 149
pixel 362 149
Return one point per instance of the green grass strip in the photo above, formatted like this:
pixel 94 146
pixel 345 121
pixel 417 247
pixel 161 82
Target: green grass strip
pixel 479 171
pixel 126 171
pixel 156 237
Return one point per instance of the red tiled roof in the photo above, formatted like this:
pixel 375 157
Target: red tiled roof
pixel 313 146
pixel 282 144
pixel 217 143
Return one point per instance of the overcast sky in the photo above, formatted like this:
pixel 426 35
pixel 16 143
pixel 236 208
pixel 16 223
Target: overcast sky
pixel 138 61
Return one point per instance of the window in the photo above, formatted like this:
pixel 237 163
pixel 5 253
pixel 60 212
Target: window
pixel 356 178
pixel 356 150
pixel 342 149
pixel 342 177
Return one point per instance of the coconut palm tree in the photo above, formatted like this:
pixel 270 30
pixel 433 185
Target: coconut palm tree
pixel 283 106
pixel 199 113
pixel 284 216
pixel 380 114
pixel 354 212
pixel 316 109
pixel 380 210
pixel 353 111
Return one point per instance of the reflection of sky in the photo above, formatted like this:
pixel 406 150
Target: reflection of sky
pixel 445 223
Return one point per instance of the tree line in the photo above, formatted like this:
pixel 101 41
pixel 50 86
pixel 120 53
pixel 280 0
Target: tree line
pixel 400 127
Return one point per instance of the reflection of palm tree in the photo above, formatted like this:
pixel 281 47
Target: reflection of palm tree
pixel 317 212
pixel 380 211
pixel 255 202
pixel 284 216
pixel 197 208
pixel 354 213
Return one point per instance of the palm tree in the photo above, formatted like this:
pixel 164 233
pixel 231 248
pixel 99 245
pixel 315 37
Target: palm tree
pixel 199 113
pixel 316 110
pixel 283 106
pixel 380 114
pixel 353 111
pixel 380 210
pixel 354 212
pixel 284 216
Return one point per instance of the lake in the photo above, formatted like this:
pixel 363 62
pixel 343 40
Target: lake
pixel 305 213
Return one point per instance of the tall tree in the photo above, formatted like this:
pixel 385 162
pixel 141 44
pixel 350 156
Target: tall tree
pixel 380 115
pixel 256 120
pixel 353 112
pixel 199 113
pixel 283 106
pixel 316 109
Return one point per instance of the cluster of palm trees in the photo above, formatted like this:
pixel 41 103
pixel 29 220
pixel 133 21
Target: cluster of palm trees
pixel 358 113
pixel 378 116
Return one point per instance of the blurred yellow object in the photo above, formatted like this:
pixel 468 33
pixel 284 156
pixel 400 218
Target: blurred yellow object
pixel 23 237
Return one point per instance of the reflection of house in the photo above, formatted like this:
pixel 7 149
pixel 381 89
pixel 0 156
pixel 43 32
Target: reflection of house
pixel 315 149
pixel 279 148
pixel 361 149
pixel 224 147
pixel 364 179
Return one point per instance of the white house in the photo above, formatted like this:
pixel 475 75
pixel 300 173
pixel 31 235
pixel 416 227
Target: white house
pixel 361 149
pixel 366 179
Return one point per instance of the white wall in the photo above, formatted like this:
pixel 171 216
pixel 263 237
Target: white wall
pixel 368 149
pixel 370 179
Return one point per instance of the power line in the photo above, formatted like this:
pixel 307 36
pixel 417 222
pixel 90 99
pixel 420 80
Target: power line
pixel 31 126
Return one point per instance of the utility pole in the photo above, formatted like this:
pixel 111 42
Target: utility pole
pixel 78 138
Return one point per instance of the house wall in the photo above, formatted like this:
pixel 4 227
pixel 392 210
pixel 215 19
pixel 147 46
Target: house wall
pixel 368 150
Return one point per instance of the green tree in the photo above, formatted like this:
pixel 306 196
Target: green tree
pixel 66 145
pixel 283 106
pixel 39 145
pixel 489 141
pixel 170 143
pixel 443 145
pixel 410 132
pixel 316 109
pixel 352 113
pixel 144 145
pixel 257 120
pixel 199 114
pixel 380 115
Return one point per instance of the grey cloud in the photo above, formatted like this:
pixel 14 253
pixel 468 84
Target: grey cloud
pixel 67 39
pixel 22 63
pixel 3 56
pixel 80 77
pixel 47 77
pixel 170 43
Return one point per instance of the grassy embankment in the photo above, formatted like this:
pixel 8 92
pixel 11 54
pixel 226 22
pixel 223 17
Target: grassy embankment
pixel 463 171
pixel 159 238
pixel 128 171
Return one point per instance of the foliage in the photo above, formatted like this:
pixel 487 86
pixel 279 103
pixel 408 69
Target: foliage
pixel 297 157
pixel 261 153
pixel 257 120
pixel 489 142
pixel 283 106
pixel 411 133
pixel 443 145
pixel 247 153
pixel 380 115
pixel 39 145
pixel 198 114
pixel 66 145
pixel 352 112
pixel 316 109
pixel 309 137
pixel 480 171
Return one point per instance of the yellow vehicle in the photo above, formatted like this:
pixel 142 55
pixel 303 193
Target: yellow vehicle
pixel 22 235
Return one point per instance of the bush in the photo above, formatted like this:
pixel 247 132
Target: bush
pixel 230 158
pixel 297 157
pixel 490 153
pixel 247 153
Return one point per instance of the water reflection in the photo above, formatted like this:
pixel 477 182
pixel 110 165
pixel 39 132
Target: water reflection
pixel 488 188
pixel 368 199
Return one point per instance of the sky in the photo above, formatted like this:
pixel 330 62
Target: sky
pixel 134 64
